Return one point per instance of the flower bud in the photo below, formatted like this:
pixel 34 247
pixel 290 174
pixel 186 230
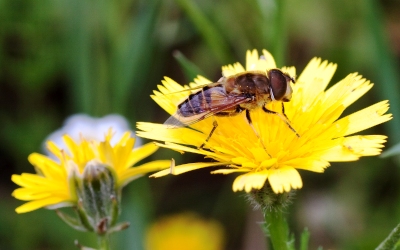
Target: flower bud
pixel 98 197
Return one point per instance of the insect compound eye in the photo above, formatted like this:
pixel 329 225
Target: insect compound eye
pixel 279 85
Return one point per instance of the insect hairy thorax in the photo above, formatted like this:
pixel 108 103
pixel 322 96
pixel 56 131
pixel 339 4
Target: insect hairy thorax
pixel 256 85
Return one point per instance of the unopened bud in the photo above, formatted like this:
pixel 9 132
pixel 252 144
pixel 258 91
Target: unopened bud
pixel 98 197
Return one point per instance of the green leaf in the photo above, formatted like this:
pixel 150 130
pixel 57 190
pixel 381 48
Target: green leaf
pixel 305 237
pixel 190 70
pixel 388 75
pixel 131 62
pixel 78 40
pixel 390 242
pixel 395 150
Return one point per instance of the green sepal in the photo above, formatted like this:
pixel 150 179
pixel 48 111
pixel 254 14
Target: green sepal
pixel 71 221
pixel 119 227
pixel 83 217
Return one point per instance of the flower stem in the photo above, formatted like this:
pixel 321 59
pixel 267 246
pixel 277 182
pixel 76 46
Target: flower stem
pixel 391 240
pixel 104 242
pixel 277 228
pixel 273 206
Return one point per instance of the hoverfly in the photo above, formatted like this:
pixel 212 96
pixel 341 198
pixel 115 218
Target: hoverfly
pixel 232 95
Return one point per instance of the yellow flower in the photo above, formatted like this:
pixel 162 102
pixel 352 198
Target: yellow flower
pixel 185 232
pixel 53 185
pixel 313 112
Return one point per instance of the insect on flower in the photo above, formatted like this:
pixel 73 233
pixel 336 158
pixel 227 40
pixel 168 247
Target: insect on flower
pixel 315 111
pixel 232 95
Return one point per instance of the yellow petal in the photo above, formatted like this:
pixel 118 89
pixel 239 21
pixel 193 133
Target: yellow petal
pixel 230 70
pixel 291 71
pixel 269 60
pixel 48 167
pixel 161 132
pixel 353 147
pixel 27 194
pixel 249 181
pixel 187 167
pixel 140 153
pixel 27 179
pixel 348 90
pixel 229 171
pixel 366 118
pixel 200 81
pixel 33 205
pixel 310 164
pixel 180 148
pixel 136 172
pixel 252 60
pixel 314 78
pixel 171 86
pixel 283 179
pixel 52 147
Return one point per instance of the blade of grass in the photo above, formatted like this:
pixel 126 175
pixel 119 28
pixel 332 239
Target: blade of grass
pixel 387 73
pixel 274 13
pixel 206 29
pixel 189 69
pixel 133 55
pixel 77 50
pixel 279 33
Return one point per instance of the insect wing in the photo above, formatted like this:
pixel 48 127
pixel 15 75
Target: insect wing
pixel 203 104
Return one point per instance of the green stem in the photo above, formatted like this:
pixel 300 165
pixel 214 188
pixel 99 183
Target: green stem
pixel 104 242
pixel 277 227
pixel 391 240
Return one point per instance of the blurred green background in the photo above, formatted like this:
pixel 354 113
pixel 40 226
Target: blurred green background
pixel 62 57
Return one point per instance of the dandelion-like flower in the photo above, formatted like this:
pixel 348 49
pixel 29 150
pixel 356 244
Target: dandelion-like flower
pixel 185 231
pixel 92 128
pixel 277 153
pixel 59 182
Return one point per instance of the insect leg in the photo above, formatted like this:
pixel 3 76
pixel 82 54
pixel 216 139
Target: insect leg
pixel 283 118
pixel 215 125
pixel 255 131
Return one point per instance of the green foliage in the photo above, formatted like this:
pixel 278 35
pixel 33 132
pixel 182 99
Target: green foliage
pixel 190 69
pixel 98 57
pixel 304 239
pixel 391 241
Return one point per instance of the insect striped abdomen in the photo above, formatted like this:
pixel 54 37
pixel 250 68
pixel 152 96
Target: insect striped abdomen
pixel 199 102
